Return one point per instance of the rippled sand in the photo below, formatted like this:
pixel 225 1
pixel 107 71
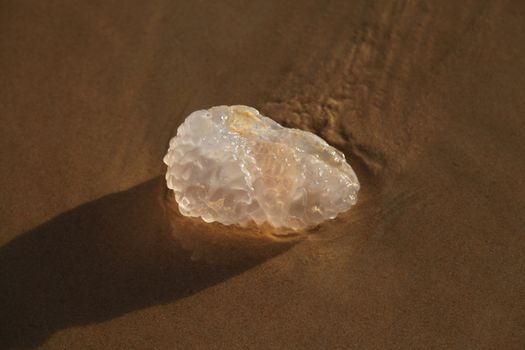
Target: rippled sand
pixel 427 101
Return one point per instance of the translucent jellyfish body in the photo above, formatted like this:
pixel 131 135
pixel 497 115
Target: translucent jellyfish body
pixel 232 165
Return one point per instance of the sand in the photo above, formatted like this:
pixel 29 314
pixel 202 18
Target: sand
pixel 426 100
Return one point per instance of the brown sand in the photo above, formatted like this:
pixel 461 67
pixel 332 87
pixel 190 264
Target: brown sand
pixel 426 100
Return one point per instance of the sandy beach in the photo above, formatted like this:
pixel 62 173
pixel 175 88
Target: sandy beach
pixel 426 100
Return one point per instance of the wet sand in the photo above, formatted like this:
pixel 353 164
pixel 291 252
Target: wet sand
pixel 427 101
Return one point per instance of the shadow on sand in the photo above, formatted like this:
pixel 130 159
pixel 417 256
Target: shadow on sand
pixel 103 259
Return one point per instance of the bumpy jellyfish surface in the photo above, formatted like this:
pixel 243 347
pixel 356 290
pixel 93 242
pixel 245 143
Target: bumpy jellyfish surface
pixel 232 165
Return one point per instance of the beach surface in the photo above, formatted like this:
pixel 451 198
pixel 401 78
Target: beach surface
pixel 426 100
